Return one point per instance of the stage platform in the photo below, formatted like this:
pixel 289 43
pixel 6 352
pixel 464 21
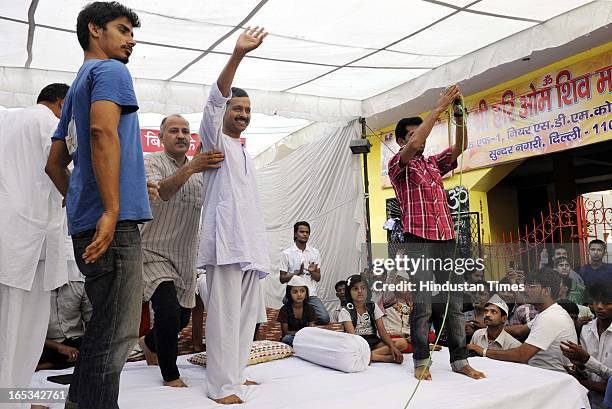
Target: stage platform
pixel 292 383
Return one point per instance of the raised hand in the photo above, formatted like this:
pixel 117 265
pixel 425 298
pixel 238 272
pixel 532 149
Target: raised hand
pixel 250 39
pixel 447 97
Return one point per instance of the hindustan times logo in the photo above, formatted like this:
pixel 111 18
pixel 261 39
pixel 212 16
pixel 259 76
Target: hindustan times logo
pixel 413 264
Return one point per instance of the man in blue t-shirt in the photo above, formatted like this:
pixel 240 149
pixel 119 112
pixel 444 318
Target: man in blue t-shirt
pixel 596 270
pixel 106 197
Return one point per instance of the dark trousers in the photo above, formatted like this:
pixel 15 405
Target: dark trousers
pixel 113 284
pixel 59 361
pixel 170 319
pixel 424 312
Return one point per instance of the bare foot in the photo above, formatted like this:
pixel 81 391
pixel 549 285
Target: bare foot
pixel 229 400
pixel 471 372
pixel 150 356
pixel 422 372
pixel 177 383
pixel 250 383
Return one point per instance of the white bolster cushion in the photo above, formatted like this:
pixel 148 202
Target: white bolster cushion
pixel 336 350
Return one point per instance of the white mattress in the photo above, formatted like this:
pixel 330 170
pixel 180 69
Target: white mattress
pixel 294 383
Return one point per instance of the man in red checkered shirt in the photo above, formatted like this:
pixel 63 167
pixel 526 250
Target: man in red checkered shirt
pixel 429 230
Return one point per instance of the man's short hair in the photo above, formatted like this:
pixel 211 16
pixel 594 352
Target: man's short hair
pixel 547 278
pixel 162 126
pixel 239 93
pixel 505 280
pixel 560 260
pixel 600 291
pixel 400 128
pixel 567 282
pixel 569 306
pixel 485 285
pixel 340 284
pixel 597 241
pixel 52 93
pixel 99 13
pixel 298 224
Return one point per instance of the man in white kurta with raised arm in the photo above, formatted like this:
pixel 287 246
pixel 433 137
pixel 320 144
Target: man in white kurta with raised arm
pixel 32 240
pixel 233 244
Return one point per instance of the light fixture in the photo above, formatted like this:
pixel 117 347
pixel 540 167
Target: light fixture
pixel 359 146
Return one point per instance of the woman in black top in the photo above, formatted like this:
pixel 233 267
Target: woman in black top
pixel 296 313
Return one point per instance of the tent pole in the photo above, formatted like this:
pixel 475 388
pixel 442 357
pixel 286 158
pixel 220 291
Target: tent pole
pixel 367 197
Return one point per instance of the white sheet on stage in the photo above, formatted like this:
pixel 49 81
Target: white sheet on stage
pixel 294 383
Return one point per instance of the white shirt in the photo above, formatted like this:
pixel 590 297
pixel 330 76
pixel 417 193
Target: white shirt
pixel 549 328
pixel 333 316
pixel 233 229
pixel 363 327
pixel 292 257
pixel 503 341
pixel 599 364
pixel 70 312
pixel 31 213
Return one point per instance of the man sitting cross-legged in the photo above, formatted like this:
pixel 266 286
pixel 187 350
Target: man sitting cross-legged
pixel 551 326
pixel 494 336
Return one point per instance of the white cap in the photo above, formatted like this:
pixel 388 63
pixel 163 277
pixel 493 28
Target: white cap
pixel 497 300
pixel 297 281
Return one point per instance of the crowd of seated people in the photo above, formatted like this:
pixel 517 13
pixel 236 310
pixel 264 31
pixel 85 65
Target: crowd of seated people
pixel 557 323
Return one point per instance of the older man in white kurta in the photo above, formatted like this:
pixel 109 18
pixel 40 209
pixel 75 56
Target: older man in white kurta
pixel 233 243
pixel 32 242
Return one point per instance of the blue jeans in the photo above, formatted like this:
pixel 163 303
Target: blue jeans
pixel 288 339
pixel 114 286
pixel 320 310
pixel 423 313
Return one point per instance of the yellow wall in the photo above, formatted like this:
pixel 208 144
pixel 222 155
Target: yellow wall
pixel 479 182
pixel 378 195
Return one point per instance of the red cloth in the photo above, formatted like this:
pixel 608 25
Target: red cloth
pixel 421 196
pixel 431 337
pixel 145 320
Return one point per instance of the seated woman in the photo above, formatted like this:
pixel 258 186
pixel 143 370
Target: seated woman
pixel 364 318
pixel 296 313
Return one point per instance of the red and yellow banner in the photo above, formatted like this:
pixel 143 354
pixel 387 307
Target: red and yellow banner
pixel 563 107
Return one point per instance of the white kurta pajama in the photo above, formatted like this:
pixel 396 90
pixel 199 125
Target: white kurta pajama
pixel 32 242
pixel 233 250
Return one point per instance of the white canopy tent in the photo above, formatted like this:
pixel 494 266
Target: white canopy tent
pixel 323 61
